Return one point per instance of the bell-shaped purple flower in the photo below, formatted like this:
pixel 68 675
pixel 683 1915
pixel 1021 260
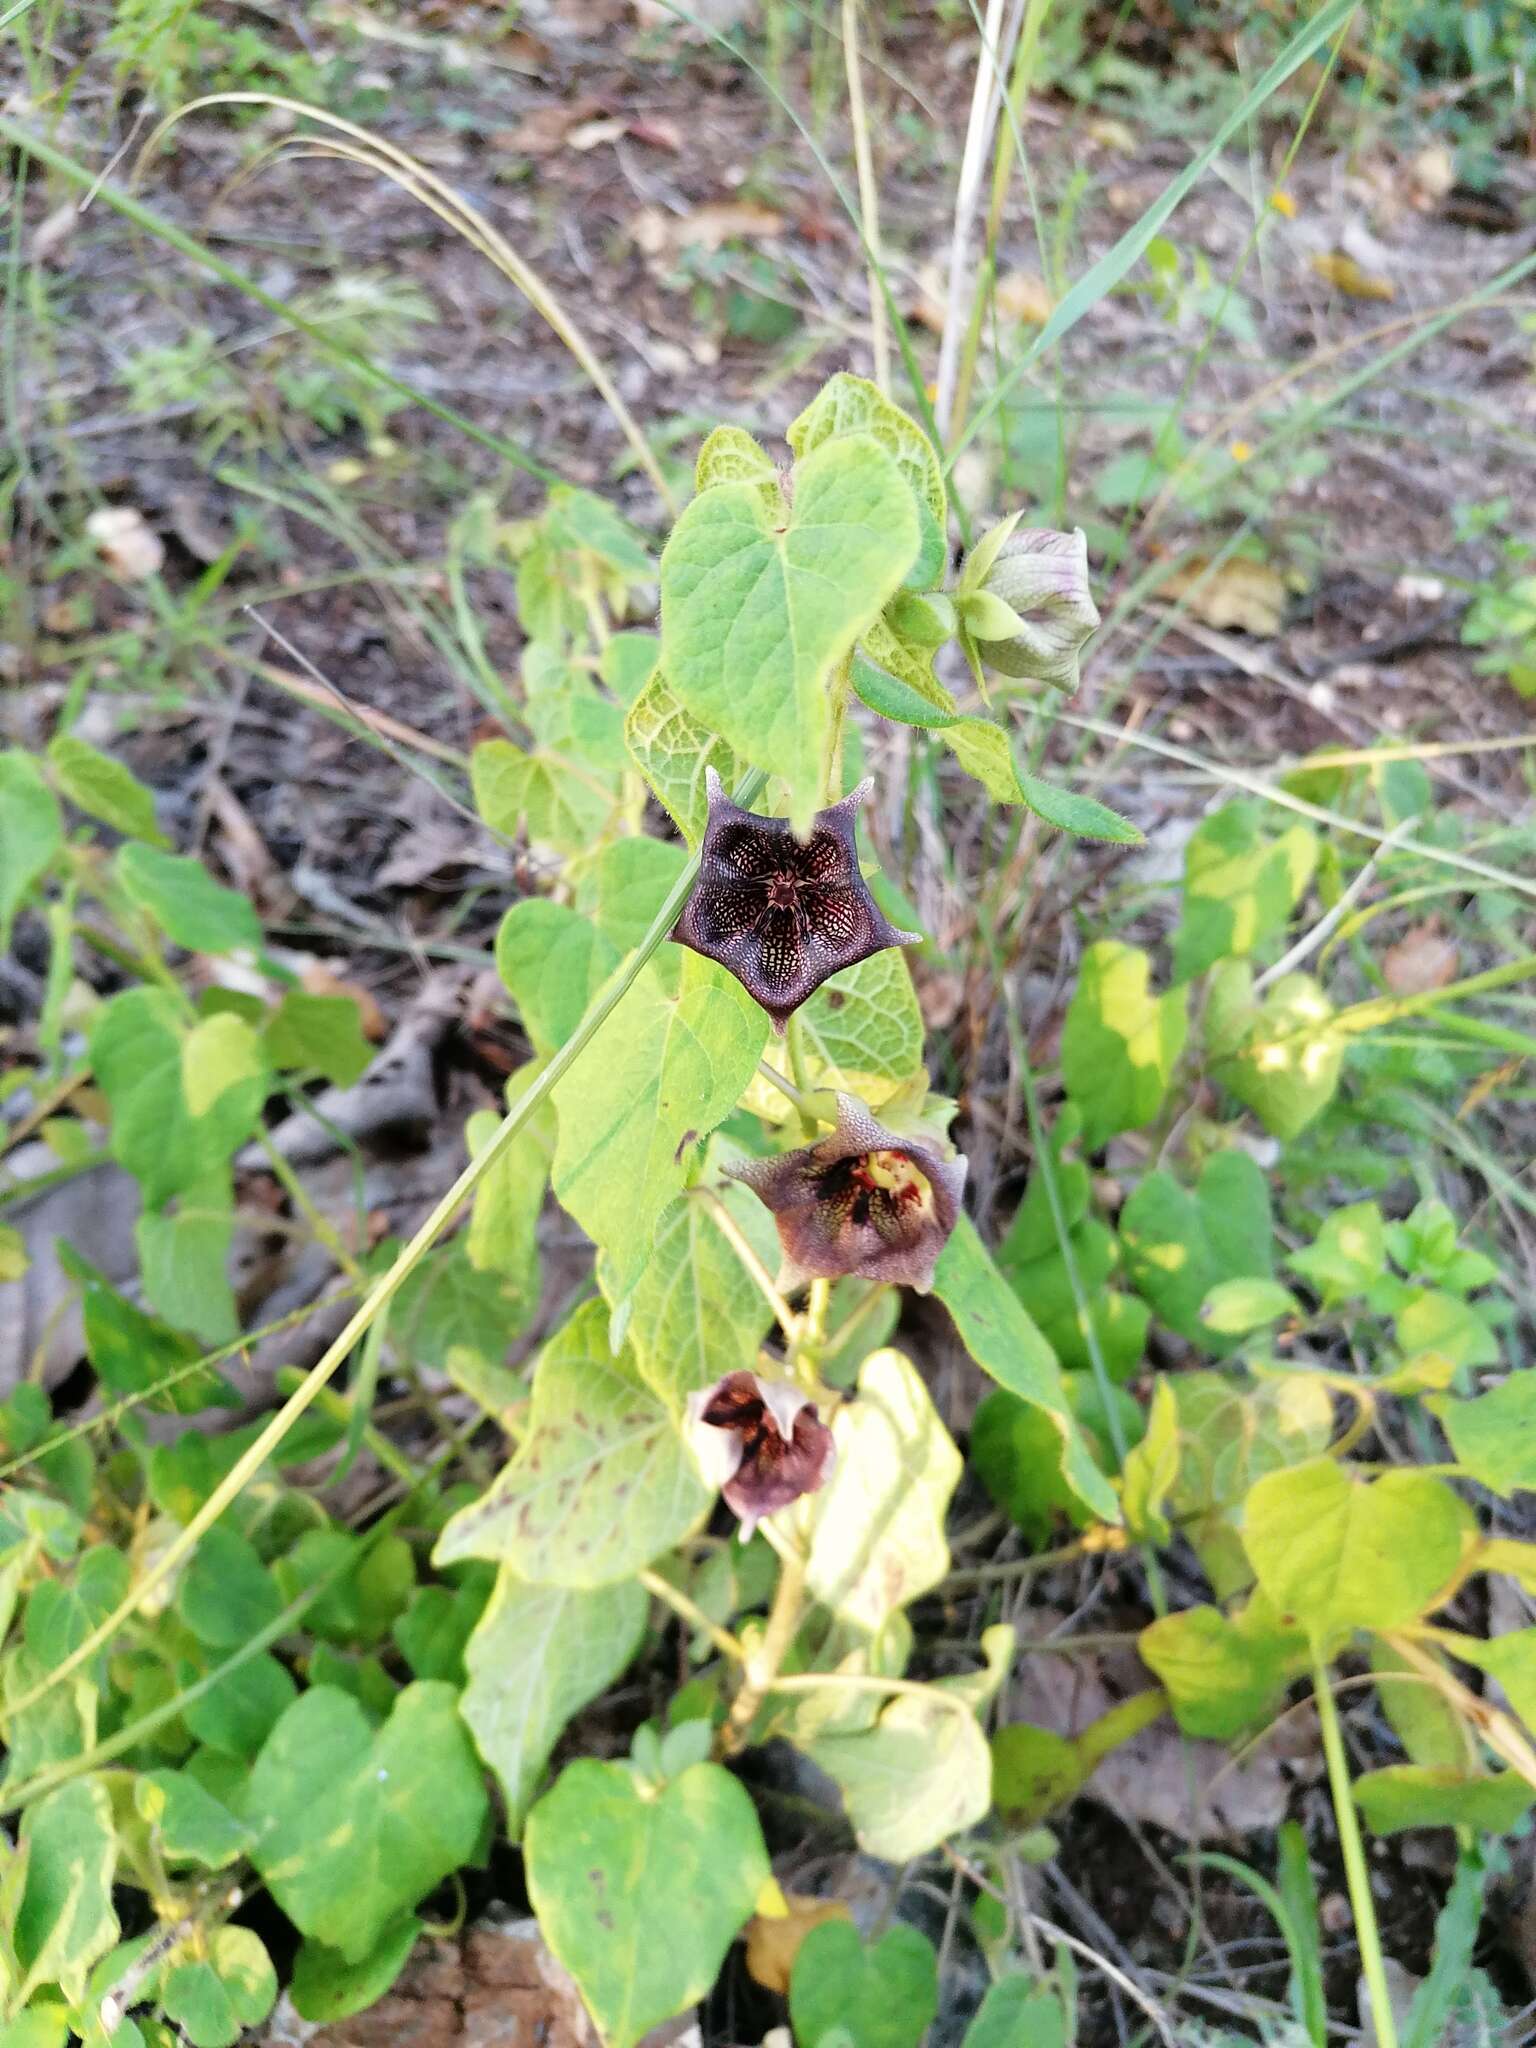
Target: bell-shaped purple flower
pixel 861 1200
pixel 761 1442
pixel 780 913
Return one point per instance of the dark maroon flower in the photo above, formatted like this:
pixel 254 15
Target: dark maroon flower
pixel 761 1442
pixel 782 913
pixel 861 1200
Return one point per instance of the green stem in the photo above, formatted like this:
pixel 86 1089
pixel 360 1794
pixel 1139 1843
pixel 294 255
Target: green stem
pixel 796 1046
pixel 1358 1877
pixel 765 1661
pixel 388 1285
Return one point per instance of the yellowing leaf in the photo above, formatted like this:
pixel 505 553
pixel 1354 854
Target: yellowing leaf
pixel 773 1941
pixel 1024 297
pixel 1238 594
pixel 1347 276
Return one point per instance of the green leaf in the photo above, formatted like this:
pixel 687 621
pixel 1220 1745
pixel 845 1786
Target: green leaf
pixel 62 1612
pixel 662 1072
pixel 730 456
pixel 1423 1719
pixel 920 1775
pixel 538 1656
pixel 672 750
pixel 696 1313
pixel 1494 1436
pixel 1015 2012
pixel 190 907
pixel 628 662
pixel 319 1034
pixel 1440 1323
pixel 757 607
pixel 1222 1677
pixel 580 519
pixel 633 878
pixel 1279 1057
pixel 184 1261
pixel 189 1824
pixel 1034 1770
pixel 31 833
pixel 103 788
pixel 1348 1255
pixel 1234 1307
pixel 861 1032
pixel 552 962
pixel 327 1988
pixel 603 1481
pixel 226 1594
pixel 898 676
pixel 1070 811
pixel 899 699
pixel 502 1238
pixel 1339 1554
pixel 1240 885
pixel 847 405
pixel 435 1628
pixel 643 1951
pixel 1438 1796
pixel 984 750
pixel 1119 1042
pixel 1230 1434
pixel 1151 1468
pixel 236 1715
pixel 219 1053
pixel 355 1826
pixel 1016 1452
pixel 874 1534
pixel 214 1998
pixel 998 1333
pixel 136 1049
pixel 885 1995
pixel 64 1919
pixel 1179 1245
pixel 562 805
pixel 132 1352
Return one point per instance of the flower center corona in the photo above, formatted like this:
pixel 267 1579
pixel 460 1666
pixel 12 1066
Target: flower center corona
pixel 783 890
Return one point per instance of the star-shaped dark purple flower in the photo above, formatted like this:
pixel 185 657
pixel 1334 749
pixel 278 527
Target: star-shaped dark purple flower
pixel 861 1200
pixel 780 913
pixel 761 1442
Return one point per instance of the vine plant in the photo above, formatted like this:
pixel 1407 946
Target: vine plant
pixel 727 1094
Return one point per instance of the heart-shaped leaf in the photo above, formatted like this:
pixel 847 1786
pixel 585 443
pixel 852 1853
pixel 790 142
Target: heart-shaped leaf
pixel 1178 1245
pixel 885 1995
pixel 640 1892
pixel 603 1481
pixel 1339 1554
pixel 663 1071
pixel 757 607
pixel 673 750
pixel 697 1313
pixel 538 1655
pixel 1240 885
pixel 1119 1042
pixel 215 1997
pixel 1281 1057
pixel 354 1825
pixel 876 1529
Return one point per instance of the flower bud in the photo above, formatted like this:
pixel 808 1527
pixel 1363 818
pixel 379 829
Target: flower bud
pixel 1024 598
